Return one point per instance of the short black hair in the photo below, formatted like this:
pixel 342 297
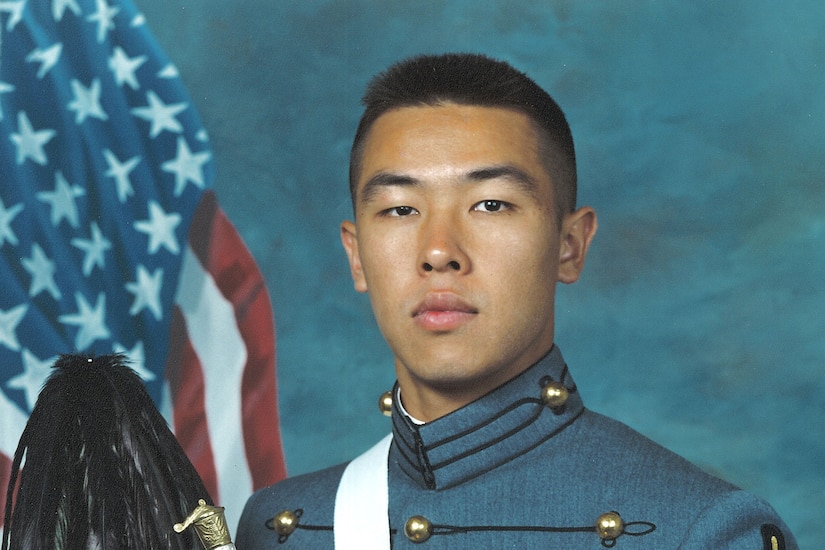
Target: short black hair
pixel 473 79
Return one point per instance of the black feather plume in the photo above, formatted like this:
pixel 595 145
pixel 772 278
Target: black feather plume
pixel 100 468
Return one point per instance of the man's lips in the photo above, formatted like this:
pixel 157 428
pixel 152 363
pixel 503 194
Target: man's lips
pixel 443 311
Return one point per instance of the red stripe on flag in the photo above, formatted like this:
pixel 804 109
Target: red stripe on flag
pixel 185 377
pixel 241 282
pixel 262 433
pixel 222 252
pixel 5 476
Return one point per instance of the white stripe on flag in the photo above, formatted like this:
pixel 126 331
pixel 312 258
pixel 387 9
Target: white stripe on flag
pixel 13 424
pixel 213 331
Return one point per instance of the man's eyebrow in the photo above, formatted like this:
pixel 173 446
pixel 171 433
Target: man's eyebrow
pixel 522 179
pixel 381 180
pixel 517 176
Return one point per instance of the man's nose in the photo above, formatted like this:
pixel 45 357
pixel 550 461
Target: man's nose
pixel 443 246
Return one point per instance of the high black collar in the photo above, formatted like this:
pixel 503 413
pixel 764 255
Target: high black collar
pixel 496 428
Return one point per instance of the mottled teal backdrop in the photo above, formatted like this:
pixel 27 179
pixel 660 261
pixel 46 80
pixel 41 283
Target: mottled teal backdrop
pixel 700 129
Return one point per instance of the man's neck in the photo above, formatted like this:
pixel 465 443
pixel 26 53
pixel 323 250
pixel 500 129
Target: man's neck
pixel 426 407
pixel 426 402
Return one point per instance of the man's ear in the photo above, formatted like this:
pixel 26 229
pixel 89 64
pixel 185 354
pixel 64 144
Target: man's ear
pixel 578 229
pixel 350 241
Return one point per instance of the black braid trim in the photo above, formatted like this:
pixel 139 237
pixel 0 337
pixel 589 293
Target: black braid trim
pixel 645 528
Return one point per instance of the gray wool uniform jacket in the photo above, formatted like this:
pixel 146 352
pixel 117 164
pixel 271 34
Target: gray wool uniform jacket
pixel 511 471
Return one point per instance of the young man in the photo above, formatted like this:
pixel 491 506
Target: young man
pixel 463 183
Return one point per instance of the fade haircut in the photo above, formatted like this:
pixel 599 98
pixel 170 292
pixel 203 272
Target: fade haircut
pixel 476 80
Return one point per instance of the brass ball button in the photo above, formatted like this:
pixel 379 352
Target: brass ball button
pixel 554 394
pixel 609 526
pixel 385 403
pixel 285 523
pixel 418 529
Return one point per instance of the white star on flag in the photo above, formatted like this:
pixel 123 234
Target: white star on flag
pixel 29 142
pixel 120 171
pixel 94 249
pixel 42 269
pixel 161 116
pixel 186 166
pixel 46 57
pixel 33 376
pixel 7 215
pixel 59 8
pixel 15 11
pixel 86 101
pixel 124 67
pixel 147 291
pixel 104 17
pixel 90 321
pixel 161 229
pixel 62 200
pixel 9 320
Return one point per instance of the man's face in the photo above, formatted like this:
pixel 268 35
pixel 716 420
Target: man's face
pixel 456 242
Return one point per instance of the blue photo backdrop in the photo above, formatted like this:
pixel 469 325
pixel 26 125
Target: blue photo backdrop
pixel 700 129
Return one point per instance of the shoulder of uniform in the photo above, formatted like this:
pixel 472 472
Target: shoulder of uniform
pixel 653 462
pixel 303 491
pixel 738 519
pixel 312 493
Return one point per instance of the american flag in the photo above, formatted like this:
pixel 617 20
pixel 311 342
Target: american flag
pixel 110 240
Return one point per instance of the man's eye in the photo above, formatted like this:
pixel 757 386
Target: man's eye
pixel 491 206
pixel 400 211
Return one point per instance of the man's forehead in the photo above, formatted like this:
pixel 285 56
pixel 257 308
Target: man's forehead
pixel 408 114
pixel 449 127
pixel 449 140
